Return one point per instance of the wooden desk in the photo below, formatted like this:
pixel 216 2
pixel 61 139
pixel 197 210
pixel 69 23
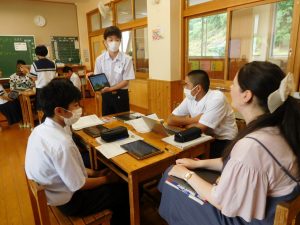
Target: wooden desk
pixel 136 171
pixel 27 113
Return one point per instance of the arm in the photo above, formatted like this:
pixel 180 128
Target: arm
pixel 179 121
pixel 94 182
pixel 202 187
pixel 210 164
pixel 118 86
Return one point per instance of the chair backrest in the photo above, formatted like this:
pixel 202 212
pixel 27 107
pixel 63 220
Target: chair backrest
pixel 288 213
pixel 39 203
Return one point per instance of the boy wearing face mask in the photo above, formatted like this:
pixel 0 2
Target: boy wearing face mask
pixel 54 161
pixel 206 109
pixel 118 68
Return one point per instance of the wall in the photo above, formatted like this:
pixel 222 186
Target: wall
pixel 16 18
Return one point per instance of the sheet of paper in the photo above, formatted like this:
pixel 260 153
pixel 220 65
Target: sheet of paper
pixel 87 121
pixel 110 150
pixel 140 125
pixel 189 144
pixel 20 46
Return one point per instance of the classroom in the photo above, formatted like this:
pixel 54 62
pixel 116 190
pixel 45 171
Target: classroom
pixel 150 112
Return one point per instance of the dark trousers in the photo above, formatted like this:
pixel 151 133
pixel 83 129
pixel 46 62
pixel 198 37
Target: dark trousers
pixel 37 99
pixel 108 196
pixel 12 111
pixel 217 148
pixel 115 102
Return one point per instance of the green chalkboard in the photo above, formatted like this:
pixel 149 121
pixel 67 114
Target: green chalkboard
pixel 65 49
pixel 13 48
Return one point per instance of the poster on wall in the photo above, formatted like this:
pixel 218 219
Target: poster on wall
pixel 157 34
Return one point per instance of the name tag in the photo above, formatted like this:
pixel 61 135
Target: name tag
pixel 118 68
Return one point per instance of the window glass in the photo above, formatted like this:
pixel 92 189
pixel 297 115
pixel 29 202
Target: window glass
pixel 126 43
pixel 268 38
pixel 141 48
pixel 95 22
pixel 124 12
pixel 207 43
pixel 140 8
pixel 197 2
pixel 107 20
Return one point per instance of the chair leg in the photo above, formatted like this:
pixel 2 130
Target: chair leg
pixel 34 209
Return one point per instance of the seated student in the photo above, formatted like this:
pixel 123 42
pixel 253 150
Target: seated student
pixel 10 108
pixel 252 181
pixel 42 71
pixel 68 72
pixel 20 80
pixel 206 109
pixel 53 160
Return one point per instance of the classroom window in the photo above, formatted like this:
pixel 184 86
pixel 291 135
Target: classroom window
pixel 107 20
pixel 207 43
pixel 267 39
pixel 126 43
pixel 140 8
pixel 197 2
pixel 141 50
pixel 95 21
pixel 282 26
pixel 124 11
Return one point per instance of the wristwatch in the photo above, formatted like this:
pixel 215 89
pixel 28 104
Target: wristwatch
pixel 188 176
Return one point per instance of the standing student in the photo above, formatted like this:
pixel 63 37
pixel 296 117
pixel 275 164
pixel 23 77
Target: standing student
pixel 206 109
pixel 118 68
pixel 53 160
pixel 42 71
pixel 21 79
pixel 74 78
pixel 10 108
pixel 253 180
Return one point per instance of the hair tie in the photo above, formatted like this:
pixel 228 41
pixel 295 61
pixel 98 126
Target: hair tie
pixel 278 97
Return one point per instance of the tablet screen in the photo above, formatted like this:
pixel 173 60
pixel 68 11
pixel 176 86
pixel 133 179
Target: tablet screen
pixel 98 81
pixel 140 149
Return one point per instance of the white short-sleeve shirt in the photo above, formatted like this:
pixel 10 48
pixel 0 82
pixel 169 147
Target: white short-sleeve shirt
pixel 53 160
pixel 76 81
pixel 217 114
pixel 2 93
pixel 116 70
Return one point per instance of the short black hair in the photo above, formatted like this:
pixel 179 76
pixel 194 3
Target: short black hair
pixel 66 69
pixel 111 31
pixel 199 77
pixel 41 50
pixel 20 61
pixel 60 92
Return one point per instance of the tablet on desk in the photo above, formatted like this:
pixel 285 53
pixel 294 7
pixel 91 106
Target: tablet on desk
pixel 140 149
pixel 98 81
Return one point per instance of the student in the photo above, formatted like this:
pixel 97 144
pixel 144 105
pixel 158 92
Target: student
pixel 206 109
pixel 53 160
pixel 252 181
pixel 10 108
pixel 118 68
pixel 21 80
pixel 72 76
pixel 42 71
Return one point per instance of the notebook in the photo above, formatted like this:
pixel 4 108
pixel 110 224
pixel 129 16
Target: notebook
pixel 208 175
pixel 87 121
pixel 94 131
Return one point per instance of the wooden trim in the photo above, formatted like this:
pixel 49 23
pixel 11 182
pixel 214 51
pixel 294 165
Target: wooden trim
pixel 133 24
pixel 227 47
pixel 96 33
pixel 140 75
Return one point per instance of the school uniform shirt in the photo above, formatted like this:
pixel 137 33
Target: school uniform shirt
pixel 116 70
pixel 251 175
pixel 53 160
pixel 217 114
pixel 20 82
pixel 2 93
pixel 44 70
pixel 76 81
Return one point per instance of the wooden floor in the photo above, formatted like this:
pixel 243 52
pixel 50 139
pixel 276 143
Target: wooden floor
pixel 15 205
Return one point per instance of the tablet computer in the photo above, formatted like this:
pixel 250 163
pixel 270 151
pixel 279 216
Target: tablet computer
pixel 98 81
pixel 140 149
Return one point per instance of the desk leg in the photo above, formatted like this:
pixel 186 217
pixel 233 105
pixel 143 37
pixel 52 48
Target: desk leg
pixel 23 108
pixel 134 200
pixel 29 111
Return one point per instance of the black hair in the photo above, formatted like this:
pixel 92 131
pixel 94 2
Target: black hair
pixel 59 92
pixel 112 31
pixel 20 61
pixel 41 50
pixel 66 69
pixel 263 78
pixel 199 77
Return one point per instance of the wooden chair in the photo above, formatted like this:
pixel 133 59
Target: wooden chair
pixel 50 215
pixel 288 213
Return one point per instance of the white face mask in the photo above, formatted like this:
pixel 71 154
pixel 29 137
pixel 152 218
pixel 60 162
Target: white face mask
pixel 113 46
pixel 76 114
pixel 188 93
